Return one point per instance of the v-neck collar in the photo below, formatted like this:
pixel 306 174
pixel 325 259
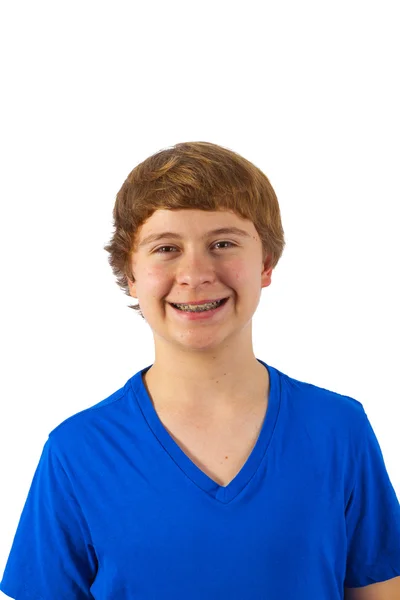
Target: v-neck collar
pixel 223 494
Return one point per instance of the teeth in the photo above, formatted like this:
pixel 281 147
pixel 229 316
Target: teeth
pixel 198 307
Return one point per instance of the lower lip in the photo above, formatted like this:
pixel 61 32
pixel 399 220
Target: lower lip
pixel 195 316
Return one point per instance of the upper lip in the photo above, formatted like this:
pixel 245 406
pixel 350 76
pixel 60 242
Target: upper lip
pixel 200 301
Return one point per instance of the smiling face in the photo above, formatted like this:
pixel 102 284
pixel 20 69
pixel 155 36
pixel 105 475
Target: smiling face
pixel 191 263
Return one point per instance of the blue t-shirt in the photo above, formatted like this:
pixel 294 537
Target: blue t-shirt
pixel 116 510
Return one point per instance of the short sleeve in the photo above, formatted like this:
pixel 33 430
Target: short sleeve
pixel 372 516
pixel 52 556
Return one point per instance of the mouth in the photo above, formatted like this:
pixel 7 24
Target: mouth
pixel 200 301
pixel 204 306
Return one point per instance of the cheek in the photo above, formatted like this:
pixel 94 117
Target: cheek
pixel 244 276
pixel 154 278
pixel 238 272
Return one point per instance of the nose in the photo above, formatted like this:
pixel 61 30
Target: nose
pixel 195 269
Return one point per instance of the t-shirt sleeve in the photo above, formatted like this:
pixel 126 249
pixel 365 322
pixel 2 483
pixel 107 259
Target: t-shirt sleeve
pixel 372 516
pixel 52 556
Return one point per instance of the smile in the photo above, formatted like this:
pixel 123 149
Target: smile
pixel 201 312
pixel 200 307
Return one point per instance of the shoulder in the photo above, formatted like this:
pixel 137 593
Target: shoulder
pixel 320 404
pixel 72 435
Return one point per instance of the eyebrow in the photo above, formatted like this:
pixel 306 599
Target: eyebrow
pixel 176 236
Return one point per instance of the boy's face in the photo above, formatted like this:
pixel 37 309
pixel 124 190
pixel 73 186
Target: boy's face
pixel 197 266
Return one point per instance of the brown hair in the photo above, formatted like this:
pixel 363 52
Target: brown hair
pixel 192 175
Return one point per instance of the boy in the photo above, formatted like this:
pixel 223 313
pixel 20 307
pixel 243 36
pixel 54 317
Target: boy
pixel 209 474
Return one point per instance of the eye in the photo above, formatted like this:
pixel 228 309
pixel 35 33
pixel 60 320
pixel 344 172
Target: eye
pixel 225 242
pixel 161 249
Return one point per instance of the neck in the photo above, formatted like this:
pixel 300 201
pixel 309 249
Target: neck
pixel 209 386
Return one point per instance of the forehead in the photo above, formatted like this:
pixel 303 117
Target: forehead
pixel 191 222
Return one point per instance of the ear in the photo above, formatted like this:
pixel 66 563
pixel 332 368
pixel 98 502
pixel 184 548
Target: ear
pixel 266 273
pixel 132 287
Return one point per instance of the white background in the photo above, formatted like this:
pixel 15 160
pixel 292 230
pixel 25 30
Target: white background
pixel 308 91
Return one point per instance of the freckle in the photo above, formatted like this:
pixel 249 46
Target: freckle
pixel 226 457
